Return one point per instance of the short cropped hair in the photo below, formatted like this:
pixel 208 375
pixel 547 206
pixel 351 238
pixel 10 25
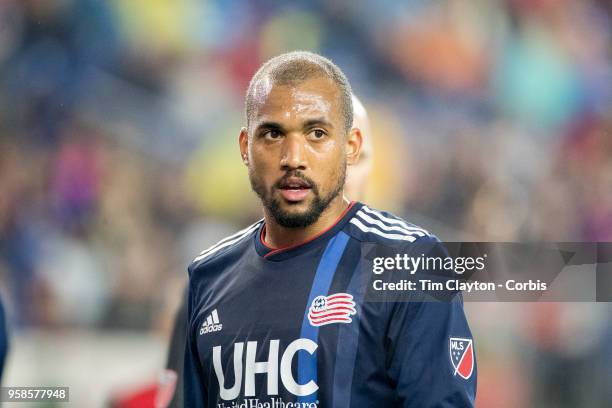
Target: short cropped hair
pixel 295 67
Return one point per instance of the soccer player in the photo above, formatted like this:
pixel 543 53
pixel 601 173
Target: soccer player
pixel 354 187
pixel 278 313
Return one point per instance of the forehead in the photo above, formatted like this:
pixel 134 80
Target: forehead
pixel 313 97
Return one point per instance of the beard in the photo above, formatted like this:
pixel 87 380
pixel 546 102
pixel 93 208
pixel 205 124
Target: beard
pixel 287 219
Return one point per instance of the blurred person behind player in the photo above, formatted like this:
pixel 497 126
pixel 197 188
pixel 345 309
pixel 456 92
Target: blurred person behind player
pixel 171 380
pixel 357 175
pixel 277 313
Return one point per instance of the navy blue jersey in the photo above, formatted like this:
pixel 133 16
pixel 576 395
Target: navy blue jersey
pixel 294 327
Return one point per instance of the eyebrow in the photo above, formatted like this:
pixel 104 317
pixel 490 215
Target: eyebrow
pixel 317 122
pixel 269 126
pixel 308 124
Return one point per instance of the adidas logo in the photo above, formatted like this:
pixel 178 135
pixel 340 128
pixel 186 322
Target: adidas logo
pixel 211 324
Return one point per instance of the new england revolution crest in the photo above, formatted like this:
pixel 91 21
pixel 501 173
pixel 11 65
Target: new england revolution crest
pixel 336 308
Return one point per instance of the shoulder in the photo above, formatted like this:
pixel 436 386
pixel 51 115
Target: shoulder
pixel 376 226
pixel 225 247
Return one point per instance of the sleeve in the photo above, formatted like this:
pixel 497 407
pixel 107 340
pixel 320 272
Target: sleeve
pixel 194 386
pixel 430 350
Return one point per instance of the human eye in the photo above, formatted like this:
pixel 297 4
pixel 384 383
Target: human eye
pixel 272 134
pixel 317 134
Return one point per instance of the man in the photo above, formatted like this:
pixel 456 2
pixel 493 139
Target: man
pixel 171 382
pixel 278 313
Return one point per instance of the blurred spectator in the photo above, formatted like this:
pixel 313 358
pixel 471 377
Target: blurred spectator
pixel 3 339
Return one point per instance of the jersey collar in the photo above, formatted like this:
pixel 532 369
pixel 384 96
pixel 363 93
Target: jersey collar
pixel 279 254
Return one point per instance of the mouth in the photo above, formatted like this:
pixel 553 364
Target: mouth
pixel 294 189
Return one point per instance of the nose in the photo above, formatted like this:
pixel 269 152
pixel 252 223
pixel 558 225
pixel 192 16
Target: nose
pixel 293 154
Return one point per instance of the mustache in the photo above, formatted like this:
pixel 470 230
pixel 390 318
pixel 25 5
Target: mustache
pixel 296 174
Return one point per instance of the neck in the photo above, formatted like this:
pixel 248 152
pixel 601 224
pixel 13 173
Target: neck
pixel 277 236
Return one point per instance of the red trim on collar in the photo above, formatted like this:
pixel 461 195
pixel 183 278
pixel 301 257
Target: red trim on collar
pixel 277 250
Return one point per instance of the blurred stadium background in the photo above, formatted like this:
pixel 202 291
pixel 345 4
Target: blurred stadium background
pixel 492 120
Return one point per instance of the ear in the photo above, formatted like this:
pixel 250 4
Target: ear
pixel 353 146
pixel 243 141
